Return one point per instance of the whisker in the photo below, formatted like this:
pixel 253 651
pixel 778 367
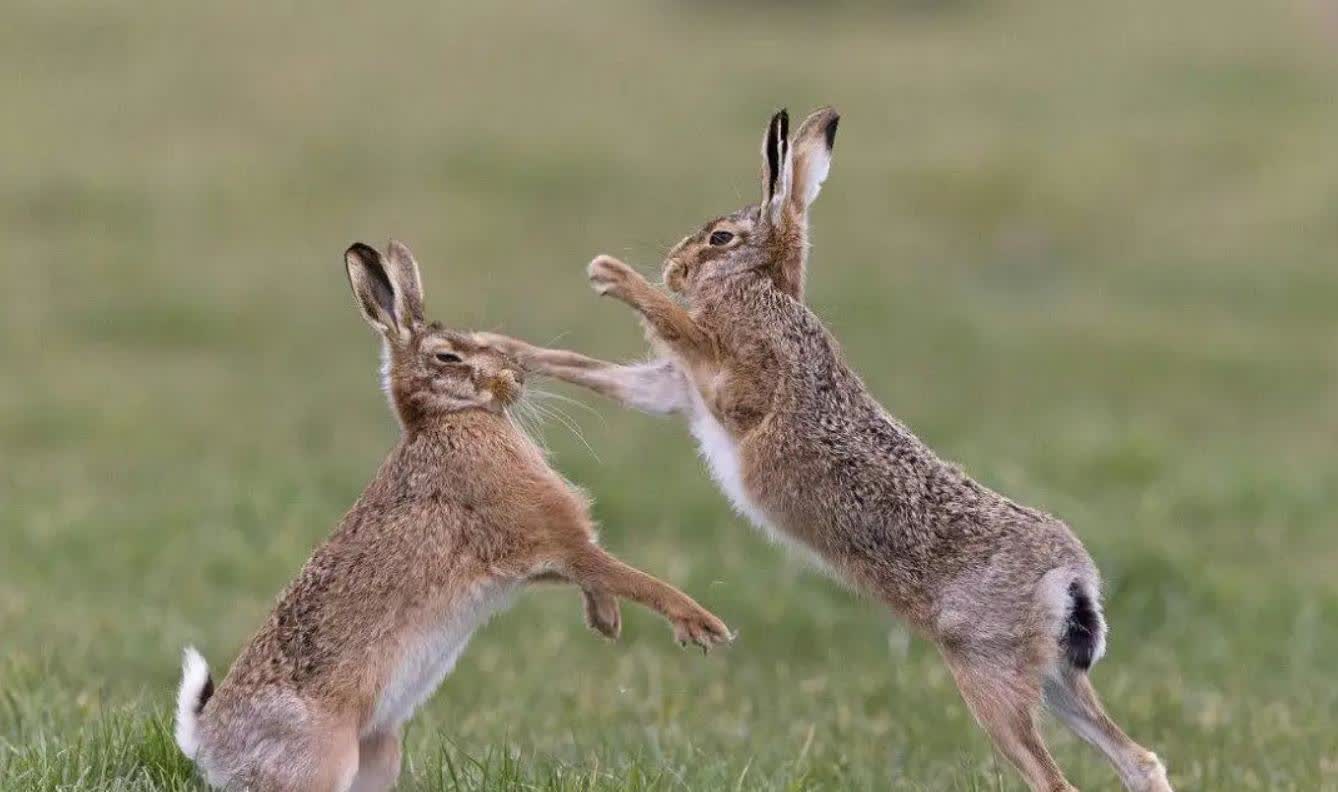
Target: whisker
pixel 567 421
pixel 543 394
pixel 552 341
pixel 524 421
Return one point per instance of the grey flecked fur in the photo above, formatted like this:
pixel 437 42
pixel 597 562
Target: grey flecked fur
pixel 821 463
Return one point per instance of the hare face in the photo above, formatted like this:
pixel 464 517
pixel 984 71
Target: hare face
pixel 723 246
pixel 769 238
pixel 442 370
pixel 429 370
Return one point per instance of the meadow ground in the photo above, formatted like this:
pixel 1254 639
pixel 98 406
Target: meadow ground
pixel 1086 249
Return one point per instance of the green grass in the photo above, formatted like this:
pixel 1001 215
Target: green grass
pixel 1086 249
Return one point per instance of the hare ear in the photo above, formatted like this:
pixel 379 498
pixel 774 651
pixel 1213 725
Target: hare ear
pixel 373 289
pixel 813 155
pixel 407 283
pixel 776 165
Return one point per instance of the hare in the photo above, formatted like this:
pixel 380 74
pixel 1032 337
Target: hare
pixel 462 514
pixel 801 448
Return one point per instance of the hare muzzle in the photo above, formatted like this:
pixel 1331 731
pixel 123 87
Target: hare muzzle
pixel 507 385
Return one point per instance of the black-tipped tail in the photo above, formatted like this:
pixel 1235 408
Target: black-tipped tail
pixel 1084 633
pixel 197 687
pixel 206 693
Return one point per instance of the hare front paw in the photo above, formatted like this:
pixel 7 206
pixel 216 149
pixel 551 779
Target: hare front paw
pixel 602 614
pixel 702 628
pixel 609 276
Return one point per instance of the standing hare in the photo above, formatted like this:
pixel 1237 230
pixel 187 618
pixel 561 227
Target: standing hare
pixel 803 450
pixel 461 515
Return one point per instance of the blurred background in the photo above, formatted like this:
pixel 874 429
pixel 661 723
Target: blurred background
pixel 1085 249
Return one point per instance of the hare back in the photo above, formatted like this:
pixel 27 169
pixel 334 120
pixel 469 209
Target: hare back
pixel 800 445
pixel 421 547
pixel 831 471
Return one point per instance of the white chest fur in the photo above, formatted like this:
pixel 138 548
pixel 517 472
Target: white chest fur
pixel 721 453
pixel 430 654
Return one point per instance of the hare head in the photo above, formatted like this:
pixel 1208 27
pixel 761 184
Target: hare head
pixel 428 369
pixel 770 237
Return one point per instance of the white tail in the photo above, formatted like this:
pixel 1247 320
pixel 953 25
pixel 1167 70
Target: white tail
pixel 196 687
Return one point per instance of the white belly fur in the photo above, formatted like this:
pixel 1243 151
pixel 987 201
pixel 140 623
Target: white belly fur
pixel 429 656
pixel 721 453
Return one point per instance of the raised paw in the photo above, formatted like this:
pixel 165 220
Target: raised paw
pixel 602 614
pixel 609 276
pixel 702 628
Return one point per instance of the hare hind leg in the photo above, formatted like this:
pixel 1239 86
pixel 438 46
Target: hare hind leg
pixel 325 764
pixel 1004 702
pixel 378 763
pixel 1070 695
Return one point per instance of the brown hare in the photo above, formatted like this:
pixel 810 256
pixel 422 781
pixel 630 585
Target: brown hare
pixel 802 449
pixel 463 513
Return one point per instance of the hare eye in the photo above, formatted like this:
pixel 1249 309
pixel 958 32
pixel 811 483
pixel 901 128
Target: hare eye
pixel 719 238
pixel 449 357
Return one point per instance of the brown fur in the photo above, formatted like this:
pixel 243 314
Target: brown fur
pixel 464 504
pixel 990 581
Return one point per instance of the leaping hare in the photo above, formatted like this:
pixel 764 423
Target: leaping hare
pixel 463 513
pixel 803 450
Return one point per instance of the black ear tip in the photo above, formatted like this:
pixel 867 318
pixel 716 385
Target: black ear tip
pixel 362 252
pixel 830 131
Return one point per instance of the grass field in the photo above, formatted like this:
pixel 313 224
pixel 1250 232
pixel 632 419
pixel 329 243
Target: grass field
pixel 1086 249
